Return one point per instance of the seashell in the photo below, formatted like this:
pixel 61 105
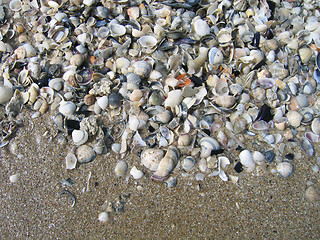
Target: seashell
pixel 103 102
pixel 56 83
pixel 103 32
pixel 188 163
pixel 79 137
pixel 89 99
pixel 148 41
pixel 285 169
pixel 151 157
pixel 6 94
pixel 166 164
pixel 15 5
pixel 307 146
pixel 136 173
pixel 117 30
pixel 163 117
pixel 225 101
pixel 103 217
pixel 201 27
pixel 224 36
pixel 171 181
pixel 260 125
pixel 142 68
pixel 67 108
pixel 294 118
pixel 121 168
pixel 174 98
pixel 84 76
pixel 258 158
pixel 71 161
pixel 85 154
pixel 312 194
pixel 305 54
pixel 240 5
pixel 89 3
pixel 14 178
pixel 281 123
pixel 185 140
pixel 115 100
pixel 133 12
pixel 195 65
pixel 77 60
pixel 312 137
pixel 221 88
pixel 215 56
pixel 246 160
pixel 315 126
pixel 266 82
pixel 208 146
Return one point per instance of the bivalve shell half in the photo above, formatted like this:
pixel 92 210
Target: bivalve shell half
pixel 246 160
pixel 215 56
pixel 315 126
pixel 67 108
pixel 85 154
pixel 151 157
pixel 71 161
pixel 121 168
pixel 117 30
pixel 148 41
pixel 6 94
pixel 208 145
pixel 201 27
pixel 79 137
pixel 136 173
pixel 188 163
pixel 103 102
pixel 285 169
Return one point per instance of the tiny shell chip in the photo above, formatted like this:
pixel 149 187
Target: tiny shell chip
pixel 285 169
pixel 103 217
pixel 151 157
pixel 14 178
pixel 71 161
pixel 121 168
pixel 85 154
pixel 136 173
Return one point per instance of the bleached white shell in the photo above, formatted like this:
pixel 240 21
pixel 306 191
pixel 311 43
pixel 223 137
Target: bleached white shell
pixel 258 157
pixel 79 137
pixel 67 108
pixel 103 217
pixel 188 163
pixel 148 41
pixel 315 126
pixel 103 102
pixel 6 94
pixel 246 160
pixel 71 161
pixel 284 169
pixel 121 168
pixel 208 144
pixel 174 98
pixel 56 84
pixel 117 30
pixel 15 5
pixel 201 27
pixel 14 178
pixel 136 173
pixel 294 118
pixel 151 157
pixel 88 2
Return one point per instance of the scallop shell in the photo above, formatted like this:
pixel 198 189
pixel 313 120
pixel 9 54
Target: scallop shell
pixel 151 157
pixel 85 154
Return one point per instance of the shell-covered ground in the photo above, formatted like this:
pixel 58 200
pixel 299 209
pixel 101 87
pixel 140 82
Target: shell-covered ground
pixel 257 207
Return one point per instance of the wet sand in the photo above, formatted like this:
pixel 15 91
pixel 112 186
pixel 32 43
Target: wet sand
pixel 257 207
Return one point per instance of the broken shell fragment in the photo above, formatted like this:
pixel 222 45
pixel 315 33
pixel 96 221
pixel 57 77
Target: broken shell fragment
pixel 71 161
pixel 136 173
pixel 246 160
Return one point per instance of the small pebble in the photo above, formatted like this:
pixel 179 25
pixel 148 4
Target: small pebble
pixel 311 194
pixel 14 178
pixel 103 217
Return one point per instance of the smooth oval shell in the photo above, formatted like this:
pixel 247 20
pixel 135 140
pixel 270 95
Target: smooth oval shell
pixel 71 161
pixel 215 56
pixel 6 94
pixel 311 194
pixel 136 173
pixel 103 102
pixel 67 108
pixel 284 169
pixel 188 163
pixel 151 157
pixel 208 144
pixel 148 41
pixel 246 158
pixel 85 154
pixel 315 126
pixel 121 168
pixel 79 137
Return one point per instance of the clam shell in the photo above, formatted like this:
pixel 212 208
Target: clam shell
pixel 201 27
pixel 188 163
pixel 6 94
pixel 117 30
pixel 208 144
pixel 79 137
pixel 315 126
pixel 142 68
pixel 136 173
pixel 148 41
pixel 71 161
pixel 215 56
pixel 246 160
pixel 56 83
pixel 151 157
pixel 103 102
pixel 285 169
pixel 67 108
pixel 85 154
pixel 121 168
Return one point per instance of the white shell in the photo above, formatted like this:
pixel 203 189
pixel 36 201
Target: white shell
pixel 14 178
pixel 151 157
pixel 85 154
pixel 201 27
pixel 103 217
pixel 103 102
pixel 6 94
pixel 15 5
pixel 79 137
pixel 67 108
pixel 315 126
pixel 284 169
pixel 258 157
pixel 188 163
pixel 136 173
pixel 121 168
pixel 294 118
pixel 148 41
pixel 246 160
pixel 174 98
pixel 88 2
pixel 312 194
pixel 56 84
pixel 215 56
pixel 117 30
pixel 71 161
pixel 208 144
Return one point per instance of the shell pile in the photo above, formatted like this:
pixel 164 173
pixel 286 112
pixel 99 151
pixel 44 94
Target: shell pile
pixel 210 87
